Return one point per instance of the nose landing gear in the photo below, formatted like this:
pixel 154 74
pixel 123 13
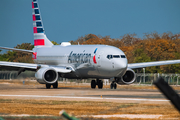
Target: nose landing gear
pixel 113 85
pixel 97 82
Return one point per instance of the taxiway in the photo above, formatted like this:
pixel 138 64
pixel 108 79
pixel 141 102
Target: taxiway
pixel 63 93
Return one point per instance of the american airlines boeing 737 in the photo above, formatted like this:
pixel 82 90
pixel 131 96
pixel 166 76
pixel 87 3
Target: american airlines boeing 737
pixel 75 61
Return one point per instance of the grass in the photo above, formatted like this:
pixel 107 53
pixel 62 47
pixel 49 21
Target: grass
pixel 52 107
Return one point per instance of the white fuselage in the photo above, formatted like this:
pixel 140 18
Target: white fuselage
pixel 86 61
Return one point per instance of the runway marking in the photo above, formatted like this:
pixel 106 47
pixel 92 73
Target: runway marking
pixel 96 98
pixel 71 97
pixel 131 116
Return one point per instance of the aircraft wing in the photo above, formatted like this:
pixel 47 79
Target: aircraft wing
pixel 149 64
pixel 14 49
pixel 30 66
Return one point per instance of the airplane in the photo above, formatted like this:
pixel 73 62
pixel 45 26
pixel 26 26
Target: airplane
pixel 75 61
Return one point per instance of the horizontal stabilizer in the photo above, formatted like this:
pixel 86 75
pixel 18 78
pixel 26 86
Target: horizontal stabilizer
pixel 14 49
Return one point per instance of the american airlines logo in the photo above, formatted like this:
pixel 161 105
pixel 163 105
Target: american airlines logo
pixel 79 57
pixel 34 55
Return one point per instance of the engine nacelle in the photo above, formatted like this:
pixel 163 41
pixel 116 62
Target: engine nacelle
pixel 128 78
pixel 46 75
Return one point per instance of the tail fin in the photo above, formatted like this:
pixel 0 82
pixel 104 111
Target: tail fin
pixel 40 38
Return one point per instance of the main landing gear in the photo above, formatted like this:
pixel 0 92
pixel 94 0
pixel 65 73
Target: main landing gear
pixel 55 85
pixel 97 82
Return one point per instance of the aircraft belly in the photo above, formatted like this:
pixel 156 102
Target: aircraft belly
pixel 94 73
pixel 85 73
pixel 90 72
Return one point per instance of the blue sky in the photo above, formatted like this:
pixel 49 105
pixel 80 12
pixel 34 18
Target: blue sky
pixel 66 20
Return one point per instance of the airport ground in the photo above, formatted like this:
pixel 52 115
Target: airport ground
pixel 28 99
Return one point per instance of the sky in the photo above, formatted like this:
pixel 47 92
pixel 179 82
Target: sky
pixel 66 20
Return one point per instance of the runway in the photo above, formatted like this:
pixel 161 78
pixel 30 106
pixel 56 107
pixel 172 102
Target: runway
pixel 20 91
pixel 20 98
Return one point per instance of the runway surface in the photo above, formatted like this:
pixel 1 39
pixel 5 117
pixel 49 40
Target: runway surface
pixel 20 91
pixel 133 101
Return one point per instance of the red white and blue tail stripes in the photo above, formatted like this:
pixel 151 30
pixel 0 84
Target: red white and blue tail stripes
pixel 40 38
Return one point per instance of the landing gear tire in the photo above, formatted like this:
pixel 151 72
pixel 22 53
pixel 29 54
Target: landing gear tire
pixel 100 84
pixel 48 86
pixel 113 85
pixel 55 85
pixel 93 84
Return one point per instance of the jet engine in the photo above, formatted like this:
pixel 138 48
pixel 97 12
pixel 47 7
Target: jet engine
pixel 46 75
pixel 128 78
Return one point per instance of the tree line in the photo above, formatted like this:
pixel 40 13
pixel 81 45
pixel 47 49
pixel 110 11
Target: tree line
pixel 152 47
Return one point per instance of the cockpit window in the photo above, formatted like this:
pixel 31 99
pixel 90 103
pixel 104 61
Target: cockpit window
pixel 109 56
pixel 123 56
pixel 116 56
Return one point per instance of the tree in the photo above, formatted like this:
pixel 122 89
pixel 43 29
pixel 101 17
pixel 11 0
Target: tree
pixel 14 56
pixel 55 43
pixel 129 39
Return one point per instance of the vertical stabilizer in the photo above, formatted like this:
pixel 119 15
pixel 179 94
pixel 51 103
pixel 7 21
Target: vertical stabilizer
pixel 40 38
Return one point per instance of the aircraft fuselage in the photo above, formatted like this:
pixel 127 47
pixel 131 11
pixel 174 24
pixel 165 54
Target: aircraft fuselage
pixel 86 61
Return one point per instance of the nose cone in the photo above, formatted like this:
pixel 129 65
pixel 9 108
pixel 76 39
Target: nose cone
pixel 120 66
pixel 123 64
